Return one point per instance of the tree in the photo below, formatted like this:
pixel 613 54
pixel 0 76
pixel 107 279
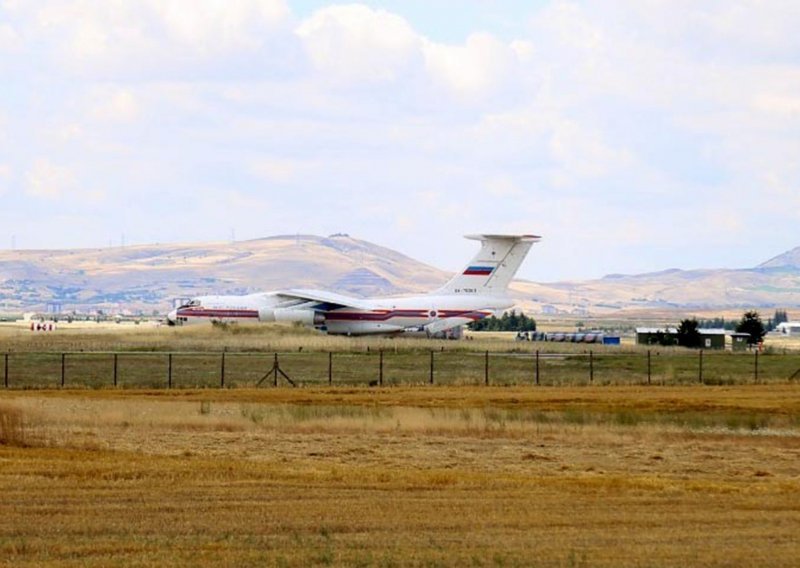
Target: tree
pixel 689 334
pixel 780 317
pixel 752 325
pixel 717 323
pixel 663 338
pixel 507 322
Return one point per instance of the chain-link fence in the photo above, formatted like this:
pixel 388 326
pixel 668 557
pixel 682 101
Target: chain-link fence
pixel 23 370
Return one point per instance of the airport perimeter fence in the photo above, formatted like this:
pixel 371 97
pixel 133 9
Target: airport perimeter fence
pixel 153 370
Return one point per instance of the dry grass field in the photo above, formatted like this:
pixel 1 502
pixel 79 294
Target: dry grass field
pixel 433 476
pixel 16 337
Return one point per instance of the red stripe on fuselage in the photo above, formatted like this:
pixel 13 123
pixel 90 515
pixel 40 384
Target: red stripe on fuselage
pixel 384 315
pixel 217 313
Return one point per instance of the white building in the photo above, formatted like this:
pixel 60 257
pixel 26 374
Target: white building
pixel 789 328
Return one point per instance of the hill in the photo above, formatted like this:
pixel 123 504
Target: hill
pixel 790 259
pixel 150 277
pixel 673 289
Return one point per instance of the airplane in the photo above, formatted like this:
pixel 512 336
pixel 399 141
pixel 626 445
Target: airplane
pixel 478 291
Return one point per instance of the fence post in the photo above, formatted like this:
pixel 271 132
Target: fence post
pixel 431 366
pixel 5 373
pixel 63 369
pixel 591 366
pixel 649 371
pixel 330 368
pixel 169 370
pixel 537 367
pixel 700 368
pixel 222 372
pixel 115 369
pixel 380 370
pixel 275 366
pixel 486 368
pixel 755 370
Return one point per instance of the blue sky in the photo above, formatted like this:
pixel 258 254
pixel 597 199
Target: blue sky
pixel 634 136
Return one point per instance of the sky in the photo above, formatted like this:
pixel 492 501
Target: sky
pixel 633 135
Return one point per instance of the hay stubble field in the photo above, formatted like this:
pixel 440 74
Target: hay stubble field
pixel 497 476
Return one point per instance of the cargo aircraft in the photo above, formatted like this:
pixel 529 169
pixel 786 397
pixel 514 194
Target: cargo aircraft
pixel 478 291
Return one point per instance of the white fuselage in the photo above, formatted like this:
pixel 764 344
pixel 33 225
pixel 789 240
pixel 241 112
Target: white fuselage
pixel 373 316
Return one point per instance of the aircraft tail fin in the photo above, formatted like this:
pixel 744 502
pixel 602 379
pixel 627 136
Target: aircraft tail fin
pixel 493 268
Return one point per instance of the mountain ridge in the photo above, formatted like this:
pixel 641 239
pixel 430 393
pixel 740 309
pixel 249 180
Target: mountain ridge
pixel 790 259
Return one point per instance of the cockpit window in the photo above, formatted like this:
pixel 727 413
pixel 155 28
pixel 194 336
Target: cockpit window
pixel 191 304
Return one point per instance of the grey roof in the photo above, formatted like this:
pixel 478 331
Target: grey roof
pixel 712 331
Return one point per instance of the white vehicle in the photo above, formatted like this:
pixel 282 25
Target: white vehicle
pixel 478 291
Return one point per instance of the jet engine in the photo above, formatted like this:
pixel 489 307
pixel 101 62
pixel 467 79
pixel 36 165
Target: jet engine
pixel 303 316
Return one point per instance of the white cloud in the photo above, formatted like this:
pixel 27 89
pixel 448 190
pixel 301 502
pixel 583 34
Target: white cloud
pixel 117 36
pixel 503 186
pixel 723 220
pixel 238 201
pixel 115 105
pixel 5 177
pixel 10 39
pixel 275 170
pixel 583 154
pixel 780 104
pixel 524 50
pixel 746 29
pixel 208 26
pixel 474 69
pixel 779 194
pixel 47 180
pixel 356 43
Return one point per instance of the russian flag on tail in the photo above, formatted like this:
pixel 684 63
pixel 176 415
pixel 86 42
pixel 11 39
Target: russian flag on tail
pixel 478 271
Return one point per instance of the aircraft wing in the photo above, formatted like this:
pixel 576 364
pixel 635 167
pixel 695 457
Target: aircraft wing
pixel 328 300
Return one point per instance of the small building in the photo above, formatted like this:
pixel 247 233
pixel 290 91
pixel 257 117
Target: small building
pixel 655 335
pixel 739 341
pixel 789 328
pixel 712 338
pixel 709 338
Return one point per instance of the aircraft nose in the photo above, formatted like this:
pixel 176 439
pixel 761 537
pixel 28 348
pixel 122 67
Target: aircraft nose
pixel 172 317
